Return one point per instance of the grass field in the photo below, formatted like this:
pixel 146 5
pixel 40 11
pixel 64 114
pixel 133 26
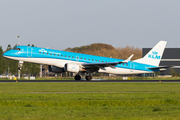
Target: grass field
pixel 81 101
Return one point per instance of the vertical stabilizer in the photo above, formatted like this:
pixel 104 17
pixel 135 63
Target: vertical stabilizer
pixel 153 57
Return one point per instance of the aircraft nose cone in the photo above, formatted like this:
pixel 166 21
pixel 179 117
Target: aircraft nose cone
pixel 8 53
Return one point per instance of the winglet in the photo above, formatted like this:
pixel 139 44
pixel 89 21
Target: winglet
pixel 127 60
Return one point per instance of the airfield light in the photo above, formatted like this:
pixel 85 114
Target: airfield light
pixel 18 40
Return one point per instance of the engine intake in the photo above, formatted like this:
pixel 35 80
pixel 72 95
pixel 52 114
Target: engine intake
pixel 71 67
pixel 55 69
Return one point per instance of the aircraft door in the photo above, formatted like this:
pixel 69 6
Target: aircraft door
pixel 29 51
pixel 132 66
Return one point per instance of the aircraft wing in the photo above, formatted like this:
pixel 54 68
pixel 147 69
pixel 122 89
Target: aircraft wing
pixel 102 65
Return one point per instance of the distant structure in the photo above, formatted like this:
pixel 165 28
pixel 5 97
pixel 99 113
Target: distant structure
pixel 18 40
pixel 171 56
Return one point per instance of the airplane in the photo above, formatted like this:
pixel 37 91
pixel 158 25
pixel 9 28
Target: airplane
pixel 63 61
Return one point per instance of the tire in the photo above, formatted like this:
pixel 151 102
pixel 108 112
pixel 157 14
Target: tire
pixel 88 78
pixel 77 77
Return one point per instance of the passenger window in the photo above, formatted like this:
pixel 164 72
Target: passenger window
pixel 54 54
pixel 85 58
pixel 99 61
pixel 50 53
pixel 47 53
pixel 73 57
pixel 58 54
pixel 61 55
pixel 92 60
pixel 69 56
pixel 65 55
pixel 88 59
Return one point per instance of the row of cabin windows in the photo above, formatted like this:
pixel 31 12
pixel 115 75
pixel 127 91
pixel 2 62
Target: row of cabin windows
pixel 78 57
pixel 70 56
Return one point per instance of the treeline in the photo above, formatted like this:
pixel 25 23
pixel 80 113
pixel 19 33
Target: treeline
pixel 8 66
pixel 106 50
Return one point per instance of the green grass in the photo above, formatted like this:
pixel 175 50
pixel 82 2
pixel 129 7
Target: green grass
pixel 81 101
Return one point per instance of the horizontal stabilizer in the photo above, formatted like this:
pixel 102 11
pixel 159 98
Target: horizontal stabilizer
pixel 160 67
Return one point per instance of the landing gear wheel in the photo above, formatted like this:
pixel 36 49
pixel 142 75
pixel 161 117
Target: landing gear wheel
pixel 88 78
pixel 77 77
pixel 19 68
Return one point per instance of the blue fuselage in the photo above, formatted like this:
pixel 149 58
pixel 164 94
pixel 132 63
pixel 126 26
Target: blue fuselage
pixel 59 58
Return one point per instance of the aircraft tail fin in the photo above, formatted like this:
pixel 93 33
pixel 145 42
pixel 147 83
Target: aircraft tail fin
pixel 153 57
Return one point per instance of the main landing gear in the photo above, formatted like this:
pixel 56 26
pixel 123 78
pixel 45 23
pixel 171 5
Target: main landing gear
pixel 88 77
pixel 78 77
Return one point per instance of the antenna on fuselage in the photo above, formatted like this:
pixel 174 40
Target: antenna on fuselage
pixel 18 40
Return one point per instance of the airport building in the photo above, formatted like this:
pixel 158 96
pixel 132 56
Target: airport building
pixel 170 57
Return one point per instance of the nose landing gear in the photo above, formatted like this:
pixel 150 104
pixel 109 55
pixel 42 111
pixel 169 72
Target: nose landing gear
pixel 19 68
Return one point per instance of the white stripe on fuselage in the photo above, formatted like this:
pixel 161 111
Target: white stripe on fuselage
pixel 60 63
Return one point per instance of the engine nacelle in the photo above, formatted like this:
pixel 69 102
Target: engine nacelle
pixel 71 67
pixel 55 69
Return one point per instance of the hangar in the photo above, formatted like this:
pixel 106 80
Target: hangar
pixel 170 57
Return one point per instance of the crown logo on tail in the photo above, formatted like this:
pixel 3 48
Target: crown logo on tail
pixel 154 52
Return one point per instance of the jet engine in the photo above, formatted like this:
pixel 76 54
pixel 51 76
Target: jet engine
pixel 72 67
pixel 55 69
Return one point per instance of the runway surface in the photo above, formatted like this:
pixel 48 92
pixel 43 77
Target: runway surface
pixel 125 81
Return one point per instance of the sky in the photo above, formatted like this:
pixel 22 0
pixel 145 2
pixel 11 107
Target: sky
pixel 59 24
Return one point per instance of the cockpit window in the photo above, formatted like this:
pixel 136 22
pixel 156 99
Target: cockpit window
pixel 17 49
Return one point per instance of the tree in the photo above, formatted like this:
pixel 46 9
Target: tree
pixel 11 64
pixel 6 61
pixel 174 73
pixel 14 65
pixel 106 50
pixel 1 60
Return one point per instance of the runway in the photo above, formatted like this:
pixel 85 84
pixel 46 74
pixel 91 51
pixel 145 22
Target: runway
pixel 98 81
